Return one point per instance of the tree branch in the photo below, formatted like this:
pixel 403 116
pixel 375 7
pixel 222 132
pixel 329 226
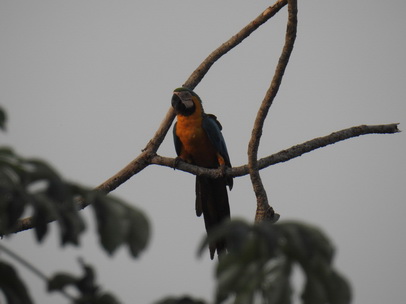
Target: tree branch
pixel 203 68
pixel 281 156
pixel 149 151
pixel 264 210
pixel 143 160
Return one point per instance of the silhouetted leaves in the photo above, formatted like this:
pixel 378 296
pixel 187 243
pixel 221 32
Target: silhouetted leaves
pixel 260 258
pixel 61 280
pixel 32 182
pixel 243 272
pixel 312 250
pixel 13 197
pixel 86 285
pixel 258 265
pixel 13 288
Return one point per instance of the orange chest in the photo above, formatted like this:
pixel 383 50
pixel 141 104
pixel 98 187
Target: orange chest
pixel 196 146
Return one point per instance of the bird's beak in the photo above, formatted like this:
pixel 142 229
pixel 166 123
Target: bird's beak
pixel 180 102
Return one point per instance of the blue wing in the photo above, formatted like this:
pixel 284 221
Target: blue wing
pixel 212 127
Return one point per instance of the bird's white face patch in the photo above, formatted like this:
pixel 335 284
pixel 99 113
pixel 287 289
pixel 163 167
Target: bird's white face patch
pixel 186 99
pixel 188 103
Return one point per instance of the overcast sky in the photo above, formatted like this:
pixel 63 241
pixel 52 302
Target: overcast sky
pixel 86 84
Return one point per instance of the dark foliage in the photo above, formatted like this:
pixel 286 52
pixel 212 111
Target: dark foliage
pixel 260 262
pixel 258 266
pixel 32 184
pixel 89 291
pixel 13 288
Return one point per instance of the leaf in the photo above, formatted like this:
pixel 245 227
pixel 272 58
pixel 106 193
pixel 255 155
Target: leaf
pixel 40 170
pixel 118 224
pixel 338 288
pixel 15 209
pixel 3 119
pixel 243 271
pixel 314 291
pixel 311 248
pixel 106 298
pixel 6 151
pixel 87 283
pixel 230 272
pixel 277 287
pixel 44 211
pixel 71 225
pixel 138 231
pixel 61 280
pixel 236 233
pixel 13 287
pixel 180 300
pixel 8 216
pixel 268 237
pixel 12 200
pixel 305 243
pixel 110 223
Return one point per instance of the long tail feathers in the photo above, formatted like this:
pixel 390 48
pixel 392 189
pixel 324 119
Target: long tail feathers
pixel 212 201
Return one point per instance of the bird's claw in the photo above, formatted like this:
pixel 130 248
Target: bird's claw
pixel 176 162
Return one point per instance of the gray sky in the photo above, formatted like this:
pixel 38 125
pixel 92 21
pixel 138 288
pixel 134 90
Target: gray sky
pixel 86 84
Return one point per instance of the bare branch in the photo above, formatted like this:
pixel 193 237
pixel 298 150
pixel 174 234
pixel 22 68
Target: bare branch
pixel 143 160
pixel 264 210
pixel 149 156
pixel 324 141
pixel 281 156
pixel 203 68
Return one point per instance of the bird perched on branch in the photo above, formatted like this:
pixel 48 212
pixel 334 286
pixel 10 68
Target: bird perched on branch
pixel 198 140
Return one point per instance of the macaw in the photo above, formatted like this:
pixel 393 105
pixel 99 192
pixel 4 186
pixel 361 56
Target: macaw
pixel 198 140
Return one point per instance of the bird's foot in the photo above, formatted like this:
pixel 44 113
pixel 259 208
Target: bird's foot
pixel 176 162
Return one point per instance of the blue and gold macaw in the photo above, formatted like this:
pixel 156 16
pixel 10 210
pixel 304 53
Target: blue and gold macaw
pixel 198 140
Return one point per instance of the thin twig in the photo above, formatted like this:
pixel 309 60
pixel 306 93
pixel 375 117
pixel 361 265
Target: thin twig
pixel 264 210
pixel 324 141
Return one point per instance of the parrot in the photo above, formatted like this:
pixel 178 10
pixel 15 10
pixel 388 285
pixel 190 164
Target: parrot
pixel 198 140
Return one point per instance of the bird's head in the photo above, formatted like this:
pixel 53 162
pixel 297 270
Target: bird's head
pixel 185 101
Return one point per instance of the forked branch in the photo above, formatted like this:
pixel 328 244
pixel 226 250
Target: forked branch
pixel 144 159
pixel 264 210
pixel 149 154
pixel 204 67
